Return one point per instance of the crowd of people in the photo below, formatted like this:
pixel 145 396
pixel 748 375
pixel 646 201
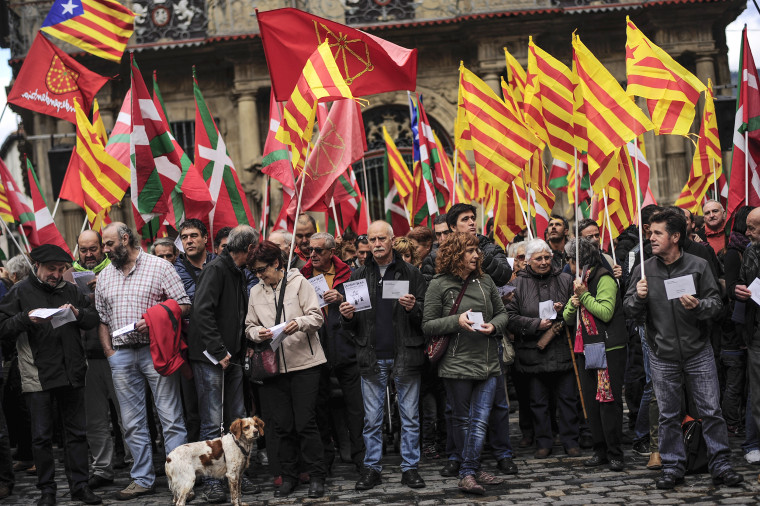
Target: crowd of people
pixel 124 353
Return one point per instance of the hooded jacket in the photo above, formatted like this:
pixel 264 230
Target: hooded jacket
pixel 470 355
pixel 48 357
pixel 673 332
pixel 338 349
pixel 301 350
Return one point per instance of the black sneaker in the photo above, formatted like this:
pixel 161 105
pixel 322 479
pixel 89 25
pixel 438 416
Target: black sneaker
pixel 641 448
pixel 451 469
pixel 248 487
pixel 213 492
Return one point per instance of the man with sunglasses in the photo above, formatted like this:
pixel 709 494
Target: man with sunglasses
pixel 340 352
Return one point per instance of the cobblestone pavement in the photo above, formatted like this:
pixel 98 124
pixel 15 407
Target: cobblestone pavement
pixel 557 479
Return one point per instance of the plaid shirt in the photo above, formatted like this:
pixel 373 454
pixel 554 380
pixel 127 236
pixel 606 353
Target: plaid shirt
pixel 122 300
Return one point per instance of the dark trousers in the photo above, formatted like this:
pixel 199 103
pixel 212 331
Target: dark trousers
pixel 71 409
pixel 734 368
pixel 190 408
pixel 524 414
pixel 562 384
pixel 17 414
pixel 432 408
pixel 498 422
pixel 605 418
pixel 634 379
pixel 350 384
pixel 6 462
pixel 292 399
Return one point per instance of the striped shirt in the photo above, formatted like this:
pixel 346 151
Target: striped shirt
pixel 122 299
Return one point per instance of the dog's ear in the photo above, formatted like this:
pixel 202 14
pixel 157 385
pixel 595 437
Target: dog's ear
pixel 237 428
pixel 259 423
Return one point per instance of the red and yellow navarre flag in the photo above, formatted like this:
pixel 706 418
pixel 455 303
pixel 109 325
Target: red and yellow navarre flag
pixel 605 115
pixel 320 82
pixel 706 164
pixel 549 102
pixel 671 91
pixel 100 27
pixel 494 130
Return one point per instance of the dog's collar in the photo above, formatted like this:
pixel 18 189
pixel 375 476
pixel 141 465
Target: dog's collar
pixel 242 449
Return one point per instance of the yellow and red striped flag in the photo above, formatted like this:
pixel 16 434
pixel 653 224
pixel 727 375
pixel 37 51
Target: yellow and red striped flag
pixel 549 102
pixel 320 81
pixel 6 213
pixel 516 78
pixel 671 91
pixel 494 130
pixel 467 178
pixel 94 179
pixel 706 164
pixel 100 27
pixel 508 217
pixel 398 171
pixel 610 117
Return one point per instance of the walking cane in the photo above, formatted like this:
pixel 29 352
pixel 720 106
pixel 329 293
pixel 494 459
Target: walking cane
pixel 575 367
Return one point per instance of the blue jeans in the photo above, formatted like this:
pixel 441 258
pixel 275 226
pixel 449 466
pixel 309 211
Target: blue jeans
pixel 132 370
pixel 471 402
pixel 498 423
pixel 373 392
pixel 641 430
pixel 212 408
pixel 701 377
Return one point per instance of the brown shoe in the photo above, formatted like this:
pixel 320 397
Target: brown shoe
pixel 31 471
pixel 470 486
pixel 525 442
pixel 542 453
pixel 486 479
pixel 22 466
pixel 133 491
pixel 573 452
pixel 655 462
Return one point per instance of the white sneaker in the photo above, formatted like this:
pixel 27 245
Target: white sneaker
pixel 752 457
pixel 264 458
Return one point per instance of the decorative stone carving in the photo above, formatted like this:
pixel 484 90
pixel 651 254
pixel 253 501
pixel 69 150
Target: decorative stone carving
pixel 175 20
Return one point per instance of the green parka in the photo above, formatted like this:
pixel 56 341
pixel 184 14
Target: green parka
pixel 470 355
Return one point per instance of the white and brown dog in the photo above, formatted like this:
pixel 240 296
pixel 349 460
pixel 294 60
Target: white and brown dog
pixel 225 456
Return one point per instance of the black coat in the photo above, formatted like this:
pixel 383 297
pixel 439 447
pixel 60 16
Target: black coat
pixel 58 354
pixel 219 310
pixel 409 342
pixel 494 261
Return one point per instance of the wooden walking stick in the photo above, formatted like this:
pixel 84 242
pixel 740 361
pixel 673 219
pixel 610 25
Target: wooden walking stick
pixel 575 367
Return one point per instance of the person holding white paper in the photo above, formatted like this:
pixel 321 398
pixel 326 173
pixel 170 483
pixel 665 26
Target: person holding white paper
pixel 678 335
pixel 389 344
pixel 290 397
pixel 470 368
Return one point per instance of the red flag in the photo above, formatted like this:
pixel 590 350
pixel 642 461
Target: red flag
pixel 369 64
pixel 50 80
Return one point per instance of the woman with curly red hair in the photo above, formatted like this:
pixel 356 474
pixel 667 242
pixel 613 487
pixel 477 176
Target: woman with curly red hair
pixel 470 367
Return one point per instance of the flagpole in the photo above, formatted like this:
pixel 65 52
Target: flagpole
pixel 366 191
pixel 298 212
pixel 3 113
pixel 13 238
pixel 715 179
pixel 335 216
pixel 406 211
pixel 456 176
pixel 55 207
pixel 746 168
pixel 577 221
pixel 522 210
pixel 638 206
pixel 84 224
pixel 265 200
pixel 24 238
pixel 609 226
pixel 527 199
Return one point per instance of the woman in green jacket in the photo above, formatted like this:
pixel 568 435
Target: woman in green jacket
pixel 470 367
pixel 600 348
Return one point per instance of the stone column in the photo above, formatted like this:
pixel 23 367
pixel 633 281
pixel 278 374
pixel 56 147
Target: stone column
pixel 248 131
pixel 706 66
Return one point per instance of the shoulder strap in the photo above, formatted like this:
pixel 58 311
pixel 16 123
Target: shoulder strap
pixel 190 270
pixel 455 307
pixel 282 298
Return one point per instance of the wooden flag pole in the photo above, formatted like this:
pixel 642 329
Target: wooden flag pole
pixel 298 213
pixel 13 238
pixel 609 226
pixel 522 210
pixel 638 206
pixel 335 217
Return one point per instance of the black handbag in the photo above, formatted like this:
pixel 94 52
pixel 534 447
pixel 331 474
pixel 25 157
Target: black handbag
pixel 264 363
pixel 437 345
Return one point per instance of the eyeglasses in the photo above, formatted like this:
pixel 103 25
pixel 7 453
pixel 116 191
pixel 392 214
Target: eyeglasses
pixel 318 251
pixel 520 257
pixel 261 270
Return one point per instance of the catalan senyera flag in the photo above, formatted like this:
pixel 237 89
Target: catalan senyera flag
pixel 467 178
pixel 516 78
pixel 494 130
pixel 6 213
pixel 398 172
pixel 610 117
pixel 100 27
pixel 540 193
pixel 507 214
pixel 94 179
pixel 706 164
pixel 549 102
pixel 320 82
pixel 671 91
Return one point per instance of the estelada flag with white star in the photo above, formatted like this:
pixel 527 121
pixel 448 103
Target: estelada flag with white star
pixel 214 163
pixel 100 27
pixel 50 80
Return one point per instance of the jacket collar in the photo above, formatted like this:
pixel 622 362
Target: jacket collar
pixel 44 286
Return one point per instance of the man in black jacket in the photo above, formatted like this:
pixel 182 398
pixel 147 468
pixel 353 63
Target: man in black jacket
pixel 53 366
pixel 462 218
pixel 215 342
pixel 389 343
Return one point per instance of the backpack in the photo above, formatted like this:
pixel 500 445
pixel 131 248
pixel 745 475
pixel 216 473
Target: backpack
pixel 695 445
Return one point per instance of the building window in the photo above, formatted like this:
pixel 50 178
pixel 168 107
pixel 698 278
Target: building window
pixel 184 132
pixel 378 11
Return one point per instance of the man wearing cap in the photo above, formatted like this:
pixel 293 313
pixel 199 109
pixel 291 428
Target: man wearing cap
pixel 53 366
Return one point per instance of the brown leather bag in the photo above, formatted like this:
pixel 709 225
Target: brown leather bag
pixel 437 345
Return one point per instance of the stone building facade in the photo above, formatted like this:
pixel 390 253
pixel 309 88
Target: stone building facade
pixel 220 37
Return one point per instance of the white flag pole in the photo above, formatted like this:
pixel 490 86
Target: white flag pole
pixel 609 226
pixel 335 217
pixel 522 210
pixel 577 221
pixel 13 238
pixel 298 211
pixel 638 206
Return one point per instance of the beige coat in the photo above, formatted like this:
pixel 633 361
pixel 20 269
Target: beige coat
pixel 301 350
